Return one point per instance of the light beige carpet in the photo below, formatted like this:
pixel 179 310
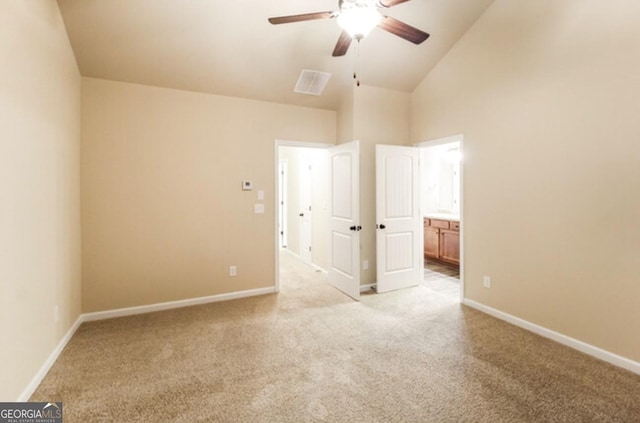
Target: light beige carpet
pixel 310 354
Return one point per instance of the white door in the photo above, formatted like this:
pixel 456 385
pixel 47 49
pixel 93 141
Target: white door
pixel 344 242
pixel 399 223
pixel 305 209
pixel 282 200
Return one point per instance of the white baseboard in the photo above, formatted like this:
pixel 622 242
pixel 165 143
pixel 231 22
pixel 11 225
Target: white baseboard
pixel 367 287
pixel 296 255
pixel 315 266
pixel 129 311
pixel 108 314
pixel 37 379
pixel 589 349
pixel 312 264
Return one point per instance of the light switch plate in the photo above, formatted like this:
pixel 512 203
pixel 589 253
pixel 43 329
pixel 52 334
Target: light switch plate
pixel 258 208
pixel 260 194
pixel 486 281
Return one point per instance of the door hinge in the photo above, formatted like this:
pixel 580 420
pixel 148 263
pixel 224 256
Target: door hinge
pixel 309 248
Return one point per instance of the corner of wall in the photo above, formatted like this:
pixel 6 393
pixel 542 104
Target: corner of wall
pixel 40 163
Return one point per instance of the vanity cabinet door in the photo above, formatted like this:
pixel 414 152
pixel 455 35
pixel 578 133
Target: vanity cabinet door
pixel 450 246
pixel 431 242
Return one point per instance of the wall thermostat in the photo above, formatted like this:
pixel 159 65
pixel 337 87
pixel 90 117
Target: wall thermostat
pixel 247 185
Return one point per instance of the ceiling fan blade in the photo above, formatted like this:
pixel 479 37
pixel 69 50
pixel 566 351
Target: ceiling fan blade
pixel 389 3
pixel 342 45
pixel 403 30
pixel 303 17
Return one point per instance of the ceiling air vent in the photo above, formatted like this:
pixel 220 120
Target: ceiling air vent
pixel 311 82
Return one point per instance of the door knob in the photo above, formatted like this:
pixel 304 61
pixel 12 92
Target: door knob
pixel 301 215
pixel 359 228
pixel 352 228
pixel 382 226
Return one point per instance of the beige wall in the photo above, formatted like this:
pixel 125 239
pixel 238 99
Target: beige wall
pixel 163 211
pixel 39 182
pixel 345 119
pixel 546 94
pixel 373 116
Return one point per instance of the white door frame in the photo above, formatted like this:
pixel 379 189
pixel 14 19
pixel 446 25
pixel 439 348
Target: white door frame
pixel 447 140
pixel 278 144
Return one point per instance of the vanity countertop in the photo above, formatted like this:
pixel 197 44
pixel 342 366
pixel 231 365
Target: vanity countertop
pixel 443 216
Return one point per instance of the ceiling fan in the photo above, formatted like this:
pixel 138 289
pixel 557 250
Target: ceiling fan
pixel 357 18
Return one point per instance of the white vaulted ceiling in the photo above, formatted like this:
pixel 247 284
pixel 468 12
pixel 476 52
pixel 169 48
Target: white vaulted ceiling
pixel 228 47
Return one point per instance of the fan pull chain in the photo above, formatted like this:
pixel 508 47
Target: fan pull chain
pixel 357 60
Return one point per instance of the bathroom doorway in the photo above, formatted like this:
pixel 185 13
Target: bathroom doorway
pixel 441 198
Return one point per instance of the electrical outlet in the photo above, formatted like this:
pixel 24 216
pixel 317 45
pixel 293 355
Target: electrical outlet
pixel 365 265
pixel 233 270
pixel 486 281
pixel 56 314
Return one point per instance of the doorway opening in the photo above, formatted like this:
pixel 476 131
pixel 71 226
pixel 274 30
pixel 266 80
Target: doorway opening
pixel 440 203
pixel 283 173
pixel 302 205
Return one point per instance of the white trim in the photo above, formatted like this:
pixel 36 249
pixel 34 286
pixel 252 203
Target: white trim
pixel 438 141
pixel 609 357
pixel 288 251
pixel 276 210
pixel 37 378
pixel 304 144
pixel 108 314
pixel 462 226
pixel 315 266
pixel 367 287
pixel 130 311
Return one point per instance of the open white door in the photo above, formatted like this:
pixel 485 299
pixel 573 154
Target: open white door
pixel 282 200
pixel 399 224
pixel 344 242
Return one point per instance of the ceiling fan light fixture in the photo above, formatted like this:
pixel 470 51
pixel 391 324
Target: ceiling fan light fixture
pixel 358 18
